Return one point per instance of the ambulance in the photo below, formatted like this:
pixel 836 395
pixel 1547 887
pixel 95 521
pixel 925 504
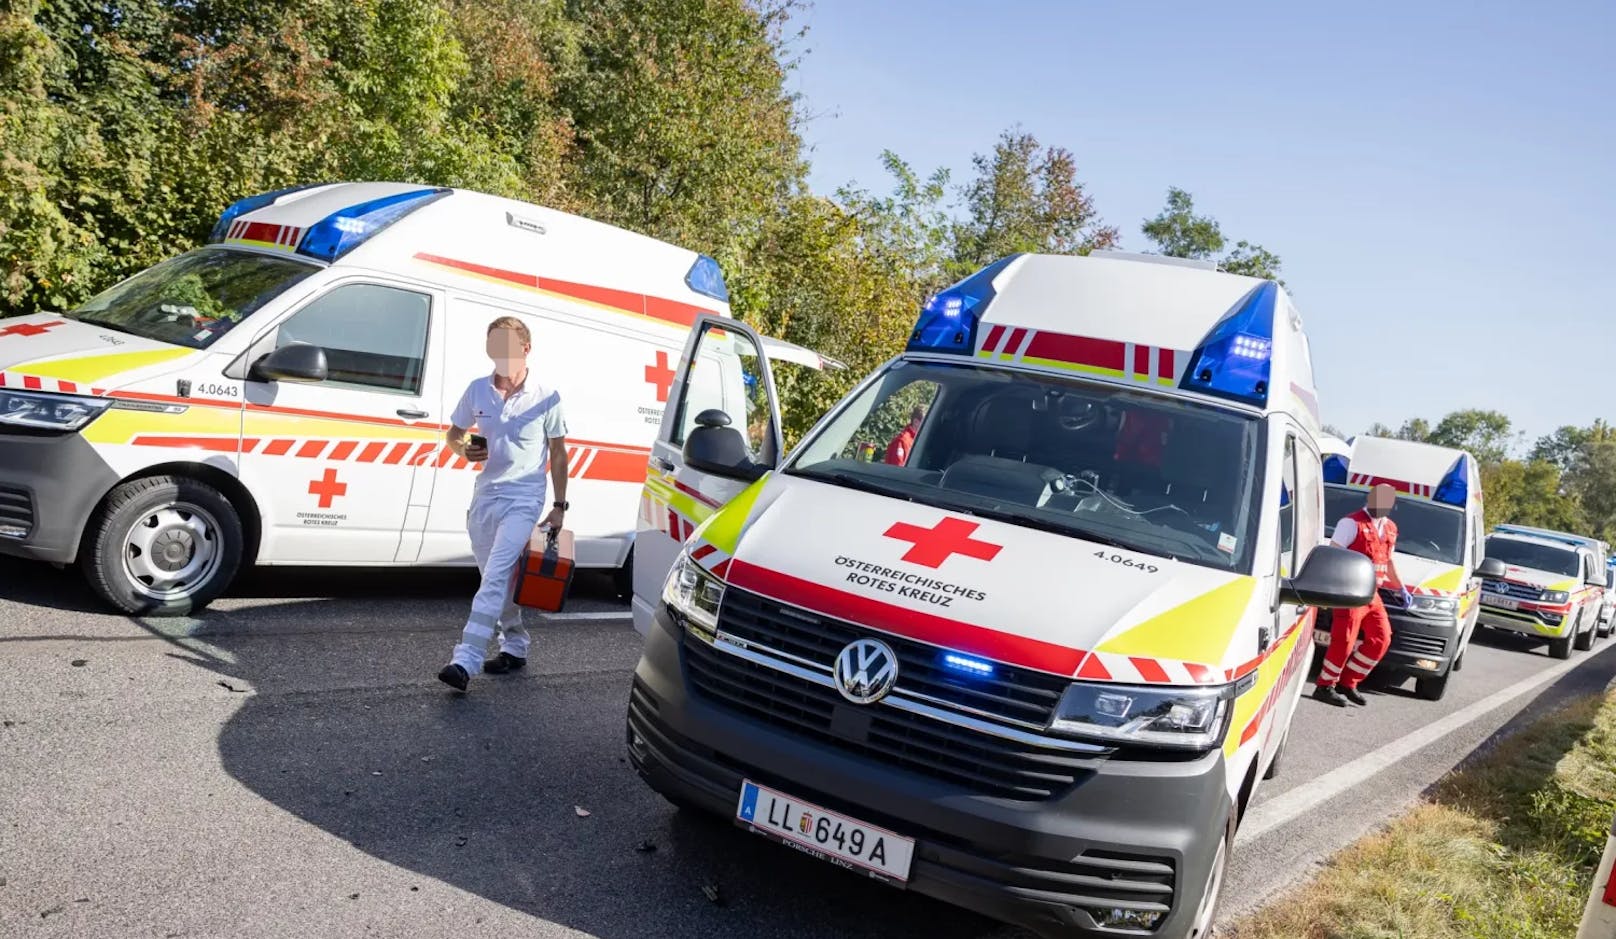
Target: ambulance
pixel 279 395
pixel 1552 588
pixel 1439 550
pixel 1038 667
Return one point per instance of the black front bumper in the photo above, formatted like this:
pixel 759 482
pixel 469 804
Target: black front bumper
pixel 1129 834
pixel 49 485
pixel 1415 640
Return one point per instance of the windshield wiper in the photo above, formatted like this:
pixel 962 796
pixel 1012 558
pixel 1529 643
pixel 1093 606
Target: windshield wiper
pixel 853 482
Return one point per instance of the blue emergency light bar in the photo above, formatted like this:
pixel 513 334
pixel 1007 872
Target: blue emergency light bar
pixel 707 278
pixel 251 204
pixel 948 321
pixel 969 665
pixel 1335 469
pixel 342 231
pixel 1454 489
pixel 1233 361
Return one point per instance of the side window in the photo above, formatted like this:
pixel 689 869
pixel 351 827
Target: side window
pixel 1287 510
pixel 726 373
pixel 374 337
pixel 1310 531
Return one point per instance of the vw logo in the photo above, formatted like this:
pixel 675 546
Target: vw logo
pixel 866 669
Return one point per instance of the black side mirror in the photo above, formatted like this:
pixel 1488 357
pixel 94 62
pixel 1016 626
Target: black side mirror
pixel 1331 577
pixel 1491 569
pixel 295 362
pixel 717 448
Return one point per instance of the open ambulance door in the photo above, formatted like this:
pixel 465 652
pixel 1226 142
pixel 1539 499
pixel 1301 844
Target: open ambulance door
pixel 723 384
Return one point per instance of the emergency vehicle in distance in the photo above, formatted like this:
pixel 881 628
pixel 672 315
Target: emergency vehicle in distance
pixel 1551 589
pixel 280 394
pixel 1039 668
pixel 1439 553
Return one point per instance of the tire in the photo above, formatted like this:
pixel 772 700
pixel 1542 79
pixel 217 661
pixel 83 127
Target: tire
pixel 1585 641
pixel 1433 688
pixel 1560 648
pixel 196 529
pixel 1204 925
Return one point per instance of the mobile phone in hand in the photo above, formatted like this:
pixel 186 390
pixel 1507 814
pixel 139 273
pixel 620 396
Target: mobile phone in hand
pixel 479 441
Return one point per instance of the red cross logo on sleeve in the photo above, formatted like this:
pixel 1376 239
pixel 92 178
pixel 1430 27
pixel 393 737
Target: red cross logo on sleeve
pixel 31 329
pixel 660 374
pixel 934 545
pixel 327 488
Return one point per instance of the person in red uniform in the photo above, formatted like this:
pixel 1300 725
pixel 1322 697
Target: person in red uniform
pixel 1369 532
pixel 898 449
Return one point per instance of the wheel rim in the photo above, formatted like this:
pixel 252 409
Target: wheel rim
pixel 171 551
pixel 1209 899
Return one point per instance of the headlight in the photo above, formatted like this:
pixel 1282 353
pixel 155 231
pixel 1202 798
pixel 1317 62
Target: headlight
pixel 693 593
pixel 1184 718
pixel 1556 596
pixel 1440 605
pixel 51 412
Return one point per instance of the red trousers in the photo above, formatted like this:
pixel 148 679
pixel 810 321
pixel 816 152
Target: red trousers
pixel 1345 629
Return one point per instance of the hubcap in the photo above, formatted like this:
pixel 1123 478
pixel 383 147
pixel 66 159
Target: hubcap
pixel 171 551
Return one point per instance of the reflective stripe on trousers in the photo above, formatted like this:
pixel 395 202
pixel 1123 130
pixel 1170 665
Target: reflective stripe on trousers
pixel 1344 664
pixel 499 530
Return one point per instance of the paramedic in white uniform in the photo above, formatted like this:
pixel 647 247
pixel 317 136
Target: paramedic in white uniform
pixel 526 433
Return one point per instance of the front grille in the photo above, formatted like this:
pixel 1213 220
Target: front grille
pixel 977 762
pixel 1511 589
pixel 1012 694
pixel 1419 645
pixel 16 510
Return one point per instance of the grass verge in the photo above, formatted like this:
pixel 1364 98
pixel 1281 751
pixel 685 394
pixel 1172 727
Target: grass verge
pixel 1504 848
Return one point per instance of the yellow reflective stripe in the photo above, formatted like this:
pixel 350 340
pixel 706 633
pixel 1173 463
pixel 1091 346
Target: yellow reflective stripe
pixel 723 529
pixel 1448 580
pixel 93 368
pixel 1268 673
pixel 120 426
pixel 1566 584
pixel 661 489
pixel 1195 631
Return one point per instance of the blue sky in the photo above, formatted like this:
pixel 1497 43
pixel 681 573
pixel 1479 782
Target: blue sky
pixel 1439 179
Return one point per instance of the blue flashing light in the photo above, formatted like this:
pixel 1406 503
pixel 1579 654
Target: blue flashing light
pixel 250 204
pixel 1454 489
pixel 707 278
pixel 1234 360
pixel 342 231
pixel 979 668
pixel 948 321
pixel 1335 469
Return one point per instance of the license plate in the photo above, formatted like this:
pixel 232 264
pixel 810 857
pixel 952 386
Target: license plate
pixel 825 835
pixel 1321 638
pixel 1503 603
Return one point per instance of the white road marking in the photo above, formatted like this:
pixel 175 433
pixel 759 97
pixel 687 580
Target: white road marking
pixel 1291 805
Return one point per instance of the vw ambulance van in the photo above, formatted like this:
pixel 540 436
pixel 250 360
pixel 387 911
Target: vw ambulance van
pixel 280 394
pixel 1439 550
pixel 1038 666
pixel 1552 587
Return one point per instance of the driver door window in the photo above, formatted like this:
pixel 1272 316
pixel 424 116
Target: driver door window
pixel 374 336
pixel 725 374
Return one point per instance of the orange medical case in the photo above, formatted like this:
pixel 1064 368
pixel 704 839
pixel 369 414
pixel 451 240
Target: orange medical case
pixel 544 573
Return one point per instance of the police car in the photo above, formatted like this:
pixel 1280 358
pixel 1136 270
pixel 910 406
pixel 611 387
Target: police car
pixel 1037 664
pixel 280 395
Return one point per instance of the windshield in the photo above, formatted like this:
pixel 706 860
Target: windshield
pixel 1433 532
pixel 193 299
pixel 1538 557
pixel 1118 467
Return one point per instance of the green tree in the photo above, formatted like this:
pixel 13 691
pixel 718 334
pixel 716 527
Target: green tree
pixel 1561 447
pixel 1178 232
pixel 1253 261
pixel 1486 434
pixel 1529 493
pixel 1025 197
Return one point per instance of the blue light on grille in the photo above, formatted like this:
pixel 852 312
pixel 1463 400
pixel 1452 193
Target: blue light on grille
pixel 967 664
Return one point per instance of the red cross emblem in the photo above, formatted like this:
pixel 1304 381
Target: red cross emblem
pixel 934 545
pixel 660 374
pixel 327 488
pixel 31 329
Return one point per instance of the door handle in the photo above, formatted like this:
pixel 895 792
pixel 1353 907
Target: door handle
pixel 411 414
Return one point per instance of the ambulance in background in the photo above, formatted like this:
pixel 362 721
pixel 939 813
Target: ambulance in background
pixel 1439 550
pixel 279 395
pixel 1553 587
pixel 1038 668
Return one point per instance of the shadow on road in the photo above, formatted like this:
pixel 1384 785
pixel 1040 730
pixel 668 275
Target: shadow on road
pixel 481 792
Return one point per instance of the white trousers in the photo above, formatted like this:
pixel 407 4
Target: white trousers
pixel 499 530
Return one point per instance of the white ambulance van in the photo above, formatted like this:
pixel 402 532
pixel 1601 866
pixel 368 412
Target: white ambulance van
pixel 1552 588
pixel 1038 667
pixel 280 395
pixel 1440 551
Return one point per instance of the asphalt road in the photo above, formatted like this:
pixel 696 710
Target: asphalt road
pixel 287 765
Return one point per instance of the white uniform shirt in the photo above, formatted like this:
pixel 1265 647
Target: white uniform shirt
pixel 1347 529
pixel 519 430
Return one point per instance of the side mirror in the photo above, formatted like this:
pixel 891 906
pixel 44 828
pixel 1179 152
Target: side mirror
pixel 1491 569
pixel 717 448
pixel 1331 577
pixel 295 362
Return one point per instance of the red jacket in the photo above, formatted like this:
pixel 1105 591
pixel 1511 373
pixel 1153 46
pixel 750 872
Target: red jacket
pixel 1377 546
pixel 898 449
